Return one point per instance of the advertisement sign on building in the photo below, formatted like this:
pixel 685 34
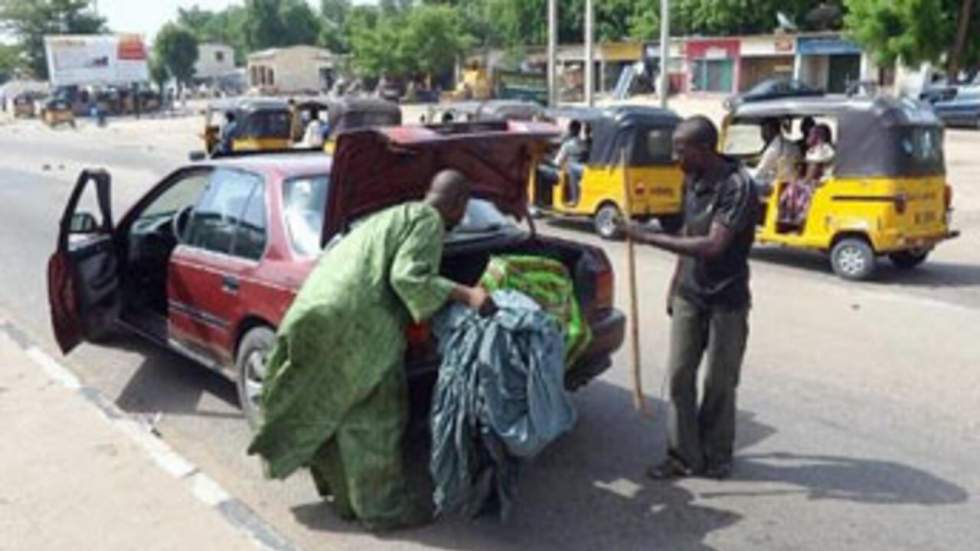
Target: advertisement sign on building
pixel 826 45
pixel 96 59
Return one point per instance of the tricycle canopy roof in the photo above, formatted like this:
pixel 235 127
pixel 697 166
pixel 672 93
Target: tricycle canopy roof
pixel 644 132
pixel 349 112
pixel 247 104
pixel 492 110
pixel 379 167
pixel 875 136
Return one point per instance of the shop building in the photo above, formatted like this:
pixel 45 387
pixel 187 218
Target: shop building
pixel 829 62
pixel 676 66
pixel 765 57
pixel 713 64
pixel 296 69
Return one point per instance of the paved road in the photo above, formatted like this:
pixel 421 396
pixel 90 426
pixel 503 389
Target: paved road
pixel 859 423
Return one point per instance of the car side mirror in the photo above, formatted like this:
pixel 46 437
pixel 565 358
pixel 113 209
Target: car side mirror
pixel 83 222
pixel 196 156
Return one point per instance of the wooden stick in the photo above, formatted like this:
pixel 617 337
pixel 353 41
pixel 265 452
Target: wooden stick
pixel 638 400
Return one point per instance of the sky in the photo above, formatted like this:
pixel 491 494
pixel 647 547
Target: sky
pixel 146 17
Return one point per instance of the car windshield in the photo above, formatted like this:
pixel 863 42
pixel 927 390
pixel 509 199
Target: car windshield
pixel 304 203
pixel 481 218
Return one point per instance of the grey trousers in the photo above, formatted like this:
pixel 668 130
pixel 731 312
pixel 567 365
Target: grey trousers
pixel 703 436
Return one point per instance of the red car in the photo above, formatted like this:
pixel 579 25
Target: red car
pixel 208 261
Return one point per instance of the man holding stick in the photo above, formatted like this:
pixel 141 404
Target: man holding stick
pixel 708 302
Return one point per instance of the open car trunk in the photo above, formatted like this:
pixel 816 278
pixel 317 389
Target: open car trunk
pixel 465 262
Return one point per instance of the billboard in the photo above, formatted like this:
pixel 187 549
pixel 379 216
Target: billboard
pixel 96 59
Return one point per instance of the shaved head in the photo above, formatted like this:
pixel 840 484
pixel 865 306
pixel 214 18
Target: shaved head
pixel 449 193
pixel 698 130
pixel 696 144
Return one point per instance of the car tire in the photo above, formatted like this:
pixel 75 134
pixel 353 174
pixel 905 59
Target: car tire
pixel 906 260
pixel 852 258
pixel 253 352
pixel 607 221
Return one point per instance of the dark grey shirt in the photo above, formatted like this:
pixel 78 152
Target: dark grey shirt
pixel 722 281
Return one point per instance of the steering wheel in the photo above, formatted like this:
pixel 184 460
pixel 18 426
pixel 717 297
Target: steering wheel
pixel 179 222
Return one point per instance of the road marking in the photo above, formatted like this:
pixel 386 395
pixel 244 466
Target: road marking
pixel 207 490
pixel 204 488
pixel 54 369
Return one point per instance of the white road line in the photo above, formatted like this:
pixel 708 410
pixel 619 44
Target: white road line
pixel 54 369
pixel 204 488
pixel 207 490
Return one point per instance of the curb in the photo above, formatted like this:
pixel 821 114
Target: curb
pixel 204 488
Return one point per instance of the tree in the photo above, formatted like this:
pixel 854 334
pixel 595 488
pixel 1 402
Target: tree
pixel 263 27
pixel 333 28
pixel 425 39
pixel 158 72
pixel 279 23
pixel 432 36
pixel 223 27
pixel 301 23
pixel 176 48
pixel 914 31
pixel 377 47
pixel 30 20
pixel 964 22
pixel 11 61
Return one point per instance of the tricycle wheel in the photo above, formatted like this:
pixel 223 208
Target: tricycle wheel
pixel 852 258
pixel 607 221
pixel 906 260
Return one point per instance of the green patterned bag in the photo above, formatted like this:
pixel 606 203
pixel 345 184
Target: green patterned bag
pixel 547 282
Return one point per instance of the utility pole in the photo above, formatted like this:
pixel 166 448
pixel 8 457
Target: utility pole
pixel 589 64
pixel 664 83
pixel 552 53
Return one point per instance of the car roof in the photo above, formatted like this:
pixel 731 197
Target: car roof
pixel 282 164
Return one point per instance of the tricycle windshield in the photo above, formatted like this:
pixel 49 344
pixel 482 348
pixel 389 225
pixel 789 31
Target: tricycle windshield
pixel 743 139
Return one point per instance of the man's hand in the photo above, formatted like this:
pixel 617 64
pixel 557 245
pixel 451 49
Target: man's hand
pixel 635 230
pixel 480 300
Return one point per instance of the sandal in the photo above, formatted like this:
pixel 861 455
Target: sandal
pixel 670 469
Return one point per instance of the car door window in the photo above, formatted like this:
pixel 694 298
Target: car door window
pixel 250 235
pixel 216 217
pixel 304 201
pixel 181 194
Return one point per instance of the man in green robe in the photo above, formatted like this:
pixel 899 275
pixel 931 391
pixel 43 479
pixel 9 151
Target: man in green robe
pixel 336 397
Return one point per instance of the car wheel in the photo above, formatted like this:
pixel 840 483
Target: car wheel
pixel 852 258
pixel 906 260
pixel 250 367
pixel 607 221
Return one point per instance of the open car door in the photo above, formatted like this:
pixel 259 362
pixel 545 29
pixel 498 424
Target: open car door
pixel 83 272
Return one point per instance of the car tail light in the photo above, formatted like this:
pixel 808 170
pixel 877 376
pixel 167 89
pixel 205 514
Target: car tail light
pixel 948 197
pixel 604 289
pixel 901 202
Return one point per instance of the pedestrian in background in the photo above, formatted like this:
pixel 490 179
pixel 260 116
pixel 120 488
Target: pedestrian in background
pixel 708 301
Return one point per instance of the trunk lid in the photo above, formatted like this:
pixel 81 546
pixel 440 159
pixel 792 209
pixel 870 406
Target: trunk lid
pixel 377 168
